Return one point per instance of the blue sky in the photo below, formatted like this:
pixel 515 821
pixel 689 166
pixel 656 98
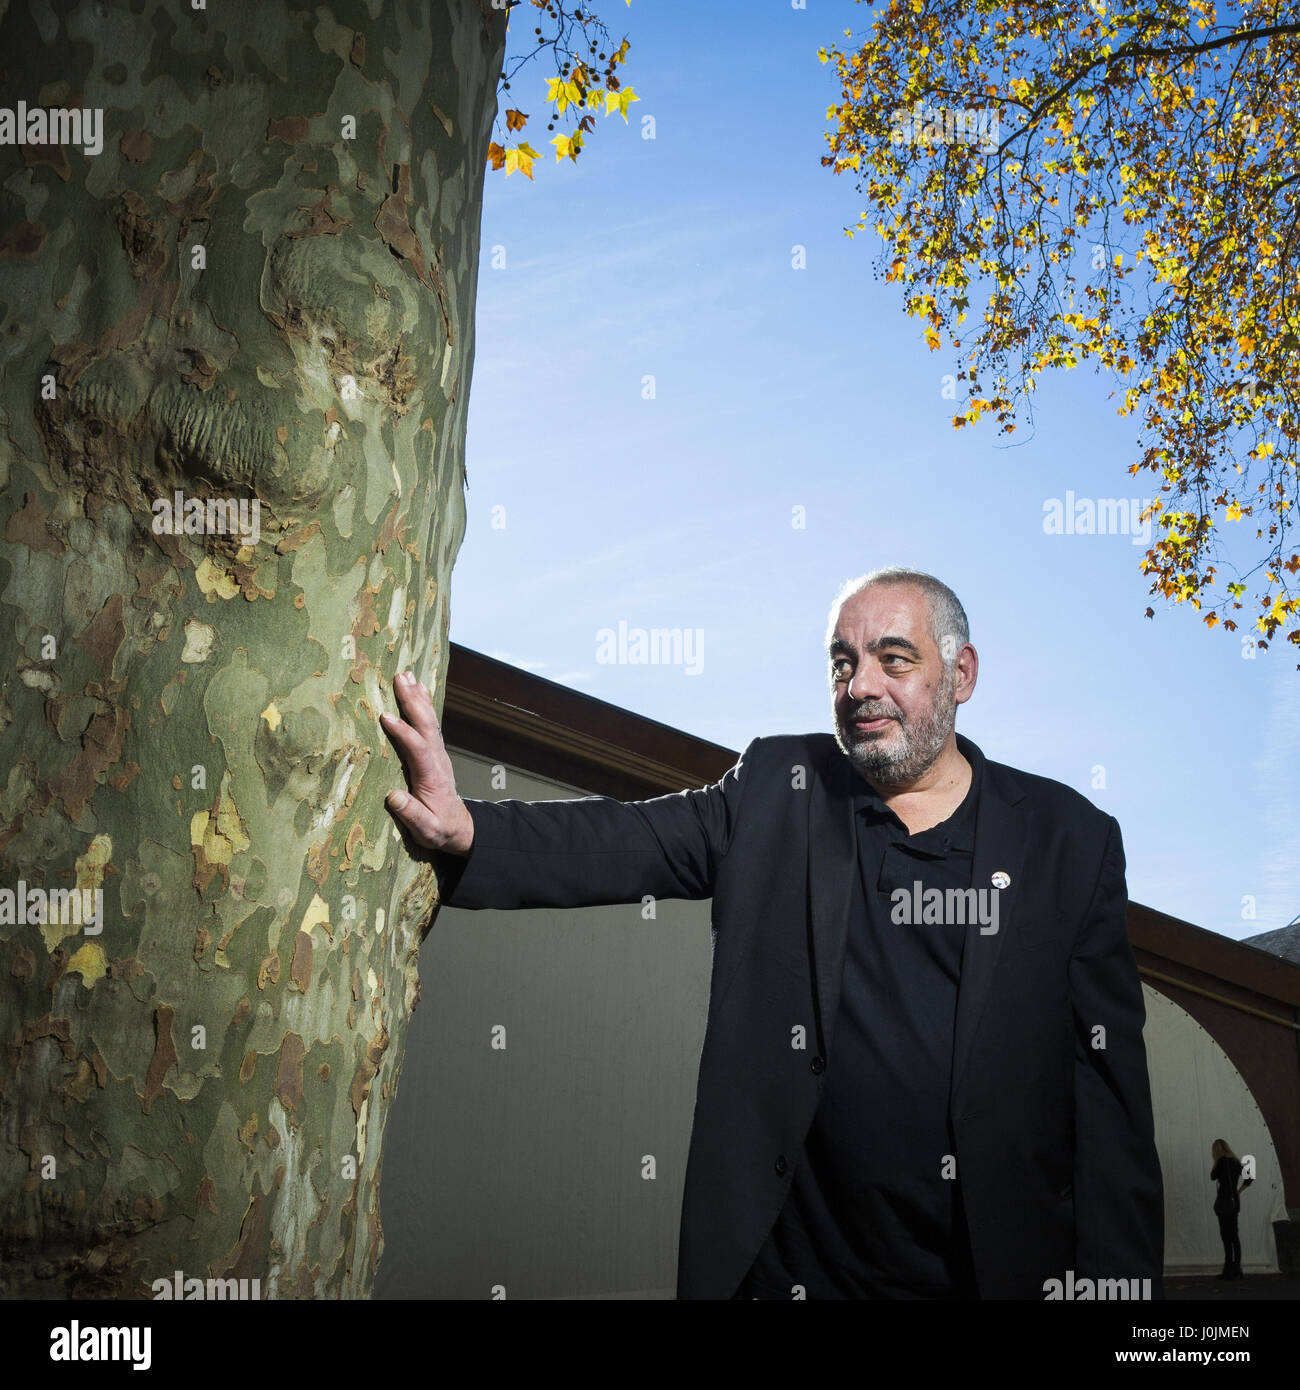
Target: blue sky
pixel 778 388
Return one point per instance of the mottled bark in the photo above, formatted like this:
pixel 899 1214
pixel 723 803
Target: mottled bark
pixel 189 722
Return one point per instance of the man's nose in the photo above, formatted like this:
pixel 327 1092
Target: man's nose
pixel 865 686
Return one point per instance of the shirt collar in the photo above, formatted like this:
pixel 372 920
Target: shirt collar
pixel 957 832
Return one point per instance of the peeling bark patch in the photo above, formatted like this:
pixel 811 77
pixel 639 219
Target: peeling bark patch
pixel 318 863
pixel 101 747
pixel 53 155
pixel 29 527
pixel 288 1074
pixel 142 238
pixel 247 1067
pixel 119 781
pixel 394 373
pixel 368 1070
pixel 23 965
pixel 392 529
pixel 248 1133
pixel 23 240
pixel 136 145
pixel 206 1198
pixel 104 636
pixel 356 836
pixel 200 639
pixel 203 370
pixel 47 1027
pixel 214 581
pixel 90 963
pixel 81 1083
pixel 295 540
pixel 243 1011
pixel 196 205
pixel 61 715
pixel 125 969
pixel 291 129
pixel 164 1058
pixel 246 1260
pixel 358 54
pixel 300 966
pixel 216 836
pixel 400 238
pixel 317 915
pixel 367 621
pixel 318 219
pixel 269 970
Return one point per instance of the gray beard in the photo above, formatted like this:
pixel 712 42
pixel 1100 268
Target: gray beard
pixel 921 743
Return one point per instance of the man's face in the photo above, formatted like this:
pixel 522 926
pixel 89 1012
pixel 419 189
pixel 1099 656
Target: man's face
pixel 892 694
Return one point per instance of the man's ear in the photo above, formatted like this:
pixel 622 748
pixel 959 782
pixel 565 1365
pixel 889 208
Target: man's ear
pixel 967 673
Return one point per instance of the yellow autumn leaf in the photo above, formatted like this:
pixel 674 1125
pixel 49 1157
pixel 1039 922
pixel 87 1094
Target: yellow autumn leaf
pixel 567 145
pixel 521 158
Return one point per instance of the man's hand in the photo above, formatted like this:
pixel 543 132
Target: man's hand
pixel 432 814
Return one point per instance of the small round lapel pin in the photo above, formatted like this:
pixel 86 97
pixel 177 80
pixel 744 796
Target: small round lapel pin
pixel 1001 879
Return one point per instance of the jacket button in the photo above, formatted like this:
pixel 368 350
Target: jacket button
pixel 781 1165
pixel 818 1066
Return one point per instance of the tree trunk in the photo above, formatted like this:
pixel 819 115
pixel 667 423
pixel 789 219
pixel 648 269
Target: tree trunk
pixel 260 291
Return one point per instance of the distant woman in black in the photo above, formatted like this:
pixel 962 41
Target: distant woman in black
pixel 1227 1202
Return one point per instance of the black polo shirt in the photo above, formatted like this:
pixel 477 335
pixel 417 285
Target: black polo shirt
pixel 871 1213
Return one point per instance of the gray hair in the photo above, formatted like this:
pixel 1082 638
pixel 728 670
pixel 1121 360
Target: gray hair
pixel 948 625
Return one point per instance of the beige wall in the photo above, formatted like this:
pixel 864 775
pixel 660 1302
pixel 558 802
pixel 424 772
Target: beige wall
pixel 1198 1096
pixel 523 1167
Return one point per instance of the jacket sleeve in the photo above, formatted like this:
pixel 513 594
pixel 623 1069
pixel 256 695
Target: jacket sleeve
pixel 1118 1190
pixel 594 850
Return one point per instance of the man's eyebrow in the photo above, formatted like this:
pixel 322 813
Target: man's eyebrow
pixel 907 646
pixel 839 645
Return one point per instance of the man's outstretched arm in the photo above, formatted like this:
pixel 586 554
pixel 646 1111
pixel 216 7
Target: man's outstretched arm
pixel 1118 1192
pixel 577 853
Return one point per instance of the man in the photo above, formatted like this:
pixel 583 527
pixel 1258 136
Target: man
pixel 923 1073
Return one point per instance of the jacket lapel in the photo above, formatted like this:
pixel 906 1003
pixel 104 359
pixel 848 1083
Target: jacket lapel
pixel 833 860
pixel 1000 827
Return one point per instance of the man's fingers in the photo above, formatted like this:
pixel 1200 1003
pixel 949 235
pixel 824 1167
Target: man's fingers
pixel 419 821
pixel 424 756
pixel 409 741
pixel 416 705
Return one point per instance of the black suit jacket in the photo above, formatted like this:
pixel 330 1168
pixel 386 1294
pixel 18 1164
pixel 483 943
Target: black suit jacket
pixel 1050 1100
